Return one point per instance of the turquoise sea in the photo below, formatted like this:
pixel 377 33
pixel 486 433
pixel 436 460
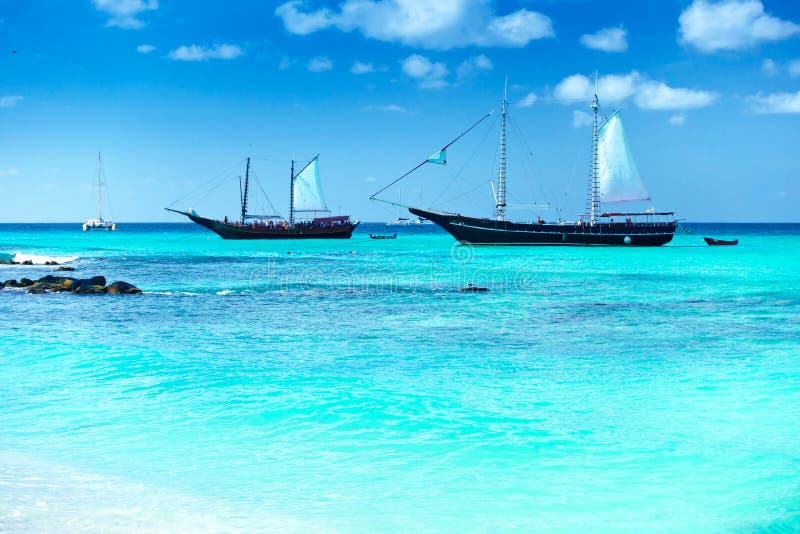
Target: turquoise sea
pixel 349 386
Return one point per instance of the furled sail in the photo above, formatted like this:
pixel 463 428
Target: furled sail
pixel 618 178
pixel 308 189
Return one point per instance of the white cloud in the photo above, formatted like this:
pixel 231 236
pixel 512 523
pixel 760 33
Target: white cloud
pixel 145 48
pixel 8 172
pixel 528 100
pixel 581 118
pixel 776 103
pixel 611 88
pixel 678 119
pixel 794 68
pixel 203 53
pixel 124 13
pixel 731 25
pixel 319 64
pixel 430 75
pixel 657 95
pixel 769 67
pixel 10 101
pixel 647 94
pixel 362 68
pixel 607 40
pixel 479 63
pixel 393 108
pixel 442 24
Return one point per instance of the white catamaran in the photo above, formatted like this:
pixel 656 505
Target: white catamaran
pixel 99 223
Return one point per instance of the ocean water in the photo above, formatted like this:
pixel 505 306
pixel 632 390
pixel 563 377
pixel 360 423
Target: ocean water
pixel 348 386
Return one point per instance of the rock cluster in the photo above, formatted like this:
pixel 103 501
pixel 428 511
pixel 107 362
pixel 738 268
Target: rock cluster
pixel 26 262
pixel 78 286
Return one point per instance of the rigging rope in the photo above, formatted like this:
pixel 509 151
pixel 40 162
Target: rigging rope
pixel 445 147
pixel 207 182
pixel 455 175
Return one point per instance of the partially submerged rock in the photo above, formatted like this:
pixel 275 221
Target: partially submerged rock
pixel 123 288
pixel 95 285
pixel 52 284
pixel 65 268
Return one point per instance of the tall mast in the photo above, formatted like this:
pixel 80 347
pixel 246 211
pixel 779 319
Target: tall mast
pixel 593 197
pixel 291 197
pixel 99 185
pixel 246 187
pixel 500 201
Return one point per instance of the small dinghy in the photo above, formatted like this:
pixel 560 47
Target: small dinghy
pixel 719 242
pixel 382 236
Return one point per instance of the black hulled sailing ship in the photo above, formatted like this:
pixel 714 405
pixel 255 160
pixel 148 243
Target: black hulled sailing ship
pixel 309 216
pixel 613 178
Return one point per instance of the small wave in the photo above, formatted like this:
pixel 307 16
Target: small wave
pixel 224 292
pixel 175 293
pixel 36 259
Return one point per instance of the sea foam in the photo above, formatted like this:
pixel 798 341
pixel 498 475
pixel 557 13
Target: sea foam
pixel 36 259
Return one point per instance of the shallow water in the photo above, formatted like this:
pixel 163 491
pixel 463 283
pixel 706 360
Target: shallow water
pixel 349 385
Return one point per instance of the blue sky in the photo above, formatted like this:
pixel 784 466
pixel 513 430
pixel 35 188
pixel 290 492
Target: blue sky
pixel 176 92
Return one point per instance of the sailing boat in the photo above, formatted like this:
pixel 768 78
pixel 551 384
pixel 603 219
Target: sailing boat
pixel 99 223
pixel 613 178
pixel 406 221
pixel 305 197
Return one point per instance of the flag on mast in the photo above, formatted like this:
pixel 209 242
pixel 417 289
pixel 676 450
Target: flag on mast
pixel 439 158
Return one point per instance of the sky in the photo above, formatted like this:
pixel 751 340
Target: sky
pixel 175 94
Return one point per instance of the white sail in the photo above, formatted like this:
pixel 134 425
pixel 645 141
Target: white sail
pixel 618 179
pixel 308 189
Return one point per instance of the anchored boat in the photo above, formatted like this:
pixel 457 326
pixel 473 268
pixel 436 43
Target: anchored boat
pixel 306 204
pixel 613 178
pixel 710 241
pixel 99 223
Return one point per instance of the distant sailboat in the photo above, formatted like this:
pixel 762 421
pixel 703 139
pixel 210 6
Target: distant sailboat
pixel 613 178
pixel 305 197
pixel 406 221
pixel 99 223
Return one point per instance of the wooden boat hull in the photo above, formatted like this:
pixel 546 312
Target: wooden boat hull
pixel 232 231
pixel 475 231
pixel 710 241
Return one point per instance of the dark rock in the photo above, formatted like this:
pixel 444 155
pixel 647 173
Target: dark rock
pixel 93 285
pixel 65 268
pixel 51 262
pixel 10 283
pixel 27 262
pixel 123 288
pixel 52 283
pixel 25 282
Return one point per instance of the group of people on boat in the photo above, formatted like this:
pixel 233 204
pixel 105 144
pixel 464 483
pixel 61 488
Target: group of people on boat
pixel 284 225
